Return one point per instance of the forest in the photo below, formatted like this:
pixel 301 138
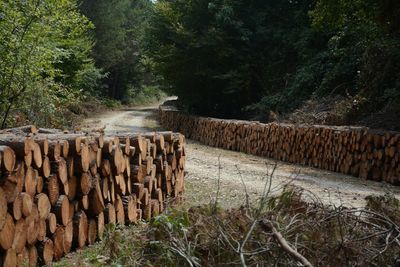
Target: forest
pixel 88 156
pixel 313 61
pixel 59 58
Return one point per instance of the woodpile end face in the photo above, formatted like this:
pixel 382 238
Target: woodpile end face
pixel 58 190
pixel 357 151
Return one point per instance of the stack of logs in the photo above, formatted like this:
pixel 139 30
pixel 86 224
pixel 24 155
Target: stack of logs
pixel 358 151
pixel 58 190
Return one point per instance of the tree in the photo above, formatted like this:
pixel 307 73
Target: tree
pixel 40 41
pixel 118 32
pixel 219 56
pixel 372 27
pixel 241 58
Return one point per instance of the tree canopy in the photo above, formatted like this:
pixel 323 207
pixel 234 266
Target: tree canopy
pixel 240 58
pixel 119 26
pixel 231 59
pixel 55 54
pixel 45 57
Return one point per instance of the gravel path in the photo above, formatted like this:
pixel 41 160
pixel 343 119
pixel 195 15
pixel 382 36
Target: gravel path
pixel 237 173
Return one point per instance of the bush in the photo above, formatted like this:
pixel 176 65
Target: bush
pixel 111 103
pixel 144 95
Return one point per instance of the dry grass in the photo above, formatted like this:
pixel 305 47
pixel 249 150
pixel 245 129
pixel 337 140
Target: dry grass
pixel 205 236
pixel 329 110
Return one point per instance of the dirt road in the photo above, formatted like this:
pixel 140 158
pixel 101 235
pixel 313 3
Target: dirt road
pixel 235 171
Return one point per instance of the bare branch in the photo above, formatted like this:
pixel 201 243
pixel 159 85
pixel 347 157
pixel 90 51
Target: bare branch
pixel 268 226
pixel 218 184
pixel 244 186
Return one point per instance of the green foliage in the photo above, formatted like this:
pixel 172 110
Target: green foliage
pixel 119 26
pixel 364 43
pixel 144 95
pixel 222 58
pixel 175 221
pixel 111 103
pixel 339 13
pixel 45 60
pixel 219 56
pixel 226 57
pixel 359 58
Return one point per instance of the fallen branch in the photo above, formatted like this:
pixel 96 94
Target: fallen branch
pixel 269 227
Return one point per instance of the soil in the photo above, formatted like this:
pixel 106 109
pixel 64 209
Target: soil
pixel 238 173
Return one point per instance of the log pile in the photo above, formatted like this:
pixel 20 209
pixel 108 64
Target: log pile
pixel 58 190
pixel 358 151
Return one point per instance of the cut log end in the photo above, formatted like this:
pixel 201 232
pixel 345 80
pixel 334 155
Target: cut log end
pixel 8 159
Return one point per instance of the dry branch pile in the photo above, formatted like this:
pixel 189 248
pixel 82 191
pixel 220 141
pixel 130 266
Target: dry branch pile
pixel 357 151
pixel 58 190
pixel 293 228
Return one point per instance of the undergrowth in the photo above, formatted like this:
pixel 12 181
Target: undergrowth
pixel 65 114
pixel 293 222
pixel 144 95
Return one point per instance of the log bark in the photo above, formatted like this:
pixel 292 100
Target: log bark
pixel 22 130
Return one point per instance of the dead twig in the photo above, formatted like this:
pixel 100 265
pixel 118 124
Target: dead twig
pixel 245 187
pixel 218 184
pixel 262 203
pixel 268 226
